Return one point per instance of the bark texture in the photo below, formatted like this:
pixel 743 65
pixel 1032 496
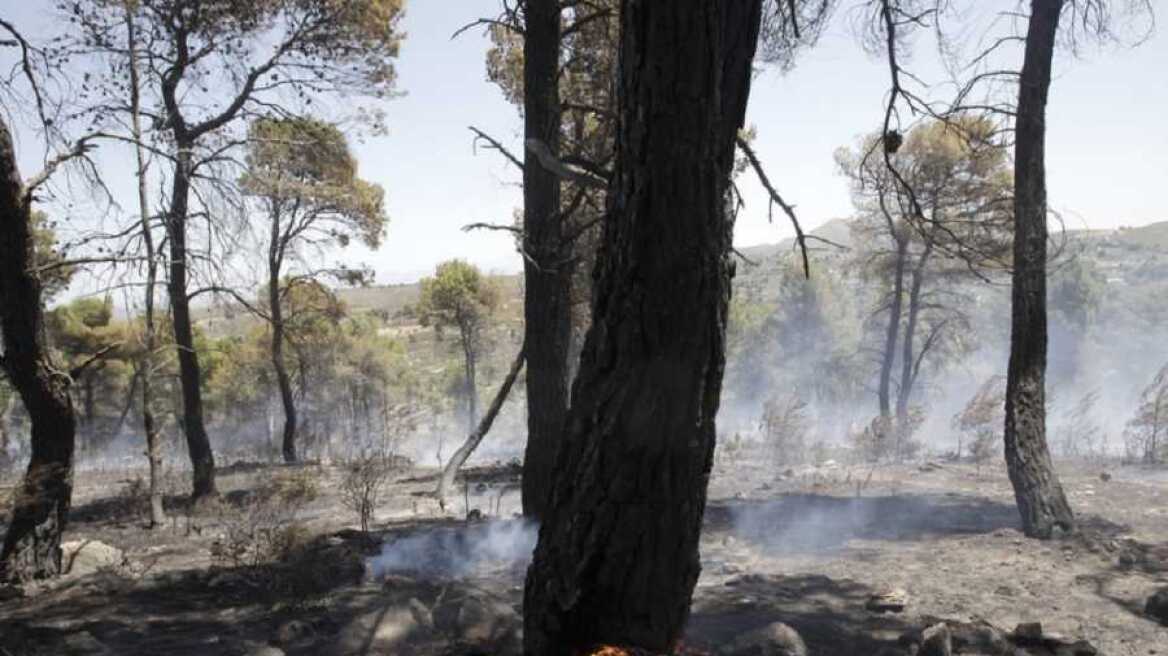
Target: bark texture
pixel 1036 487
pixel 198 444
pixel 32 546
pixel 547 280
pixel 617 556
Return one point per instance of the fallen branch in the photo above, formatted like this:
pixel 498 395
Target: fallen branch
pixel 476 437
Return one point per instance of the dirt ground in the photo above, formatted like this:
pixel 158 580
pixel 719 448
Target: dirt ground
pixel 808 547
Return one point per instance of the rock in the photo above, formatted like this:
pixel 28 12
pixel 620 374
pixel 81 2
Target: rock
pixel 936 641
pixel 385 630
pixel 892 601
pixel 978 637
pixel 1157 606
pixel 421 613
pixel 1028 632
pixel 486 623
pixel 84 644
pixel 291 631
pixel 83 557
pixel 775 639
pixel 257 649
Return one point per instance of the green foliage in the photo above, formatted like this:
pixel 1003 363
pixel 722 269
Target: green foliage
pixel 457 296
pixel 55 276
pixel 797 334
pixel 304 172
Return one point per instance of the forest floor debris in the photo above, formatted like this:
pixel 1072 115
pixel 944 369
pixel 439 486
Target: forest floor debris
pixel 804 551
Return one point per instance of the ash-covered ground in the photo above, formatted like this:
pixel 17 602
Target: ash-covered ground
pixel 808 546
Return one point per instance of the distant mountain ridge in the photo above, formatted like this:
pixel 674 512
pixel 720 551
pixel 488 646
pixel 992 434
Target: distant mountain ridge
pixel 1151 237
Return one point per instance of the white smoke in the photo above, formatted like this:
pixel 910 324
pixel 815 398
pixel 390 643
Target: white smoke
pixel 458 551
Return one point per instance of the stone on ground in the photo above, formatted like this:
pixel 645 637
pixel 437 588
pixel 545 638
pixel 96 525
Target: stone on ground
pixel 83 557
pixel 1157 606
pixel 775 639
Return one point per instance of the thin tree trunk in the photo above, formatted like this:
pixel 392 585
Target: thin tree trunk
pixel 459 457
pixel 617 557
pixel 198 444
pixel 892 332
pixel 32 545
pixel 276 314
pixel 547 278
pixel 908 353
pixel 150 338
pixel 1036 486
pixel 468 363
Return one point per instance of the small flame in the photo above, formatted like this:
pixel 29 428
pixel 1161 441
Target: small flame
pixel 613 650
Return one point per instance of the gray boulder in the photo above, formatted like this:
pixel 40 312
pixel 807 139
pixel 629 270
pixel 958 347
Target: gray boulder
pixel 774 639
pixel 1157 606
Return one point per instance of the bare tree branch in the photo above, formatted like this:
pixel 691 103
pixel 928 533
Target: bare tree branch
pixel 775 198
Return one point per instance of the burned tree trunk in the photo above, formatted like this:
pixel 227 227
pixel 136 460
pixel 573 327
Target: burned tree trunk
pixel 547 293
pixel 32 546
pixel 198 444
pixel 1036 487
pixel 276 319
pixel 892 331
pixel 617 556
pixel 908 354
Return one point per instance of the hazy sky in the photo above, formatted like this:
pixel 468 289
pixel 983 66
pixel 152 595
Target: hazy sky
pixel 1107 139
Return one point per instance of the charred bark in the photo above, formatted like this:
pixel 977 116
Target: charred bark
pixel 892 331
pixel 32 545
pixel 1040 497
pixel 546 275
pixel 908 355
pixel 617 556
pixel 198 444
pixel 276 320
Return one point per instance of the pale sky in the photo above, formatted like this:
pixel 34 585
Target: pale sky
pixel 1107 139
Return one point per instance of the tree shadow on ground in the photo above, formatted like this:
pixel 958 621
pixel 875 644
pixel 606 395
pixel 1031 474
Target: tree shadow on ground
pixel 182 612
pixel 829 614
pixel 812 522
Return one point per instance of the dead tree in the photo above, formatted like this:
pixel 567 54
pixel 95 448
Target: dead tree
pixel 1036 486
pixel 617 556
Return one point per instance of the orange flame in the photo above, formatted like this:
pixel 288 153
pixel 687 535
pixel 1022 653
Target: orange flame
pixel 609 650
